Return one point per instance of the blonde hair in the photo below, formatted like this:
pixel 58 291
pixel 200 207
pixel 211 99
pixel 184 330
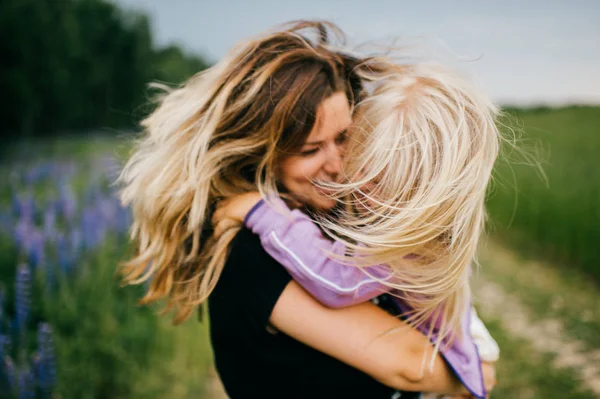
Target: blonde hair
pixel 220 134
pixel 429 140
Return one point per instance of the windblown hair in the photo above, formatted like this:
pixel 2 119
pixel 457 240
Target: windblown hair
pixel 419 161
pixel 221 134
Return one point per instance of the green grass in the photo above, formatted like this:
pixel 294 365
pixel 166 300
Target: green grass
pixel 561 221
pixel 549 292
pixel 523 373
pixel 106 345
pixel 70 147
pixel 108 342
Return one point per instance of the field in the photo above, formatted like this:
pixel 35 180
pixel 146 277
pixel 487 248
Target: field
pixel 555 214
pixel 68 330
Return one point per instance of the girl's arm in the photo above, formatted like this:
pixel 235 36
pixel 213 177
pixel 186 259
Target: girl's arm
pixel 292 239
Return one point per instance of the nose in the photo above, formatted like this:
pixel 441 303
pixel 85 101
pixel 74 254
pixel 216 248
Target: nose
pixel 333 165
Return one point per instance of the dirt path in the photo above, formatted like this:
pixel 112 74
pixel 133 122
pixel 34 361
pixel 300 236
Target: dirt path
pixel 544 336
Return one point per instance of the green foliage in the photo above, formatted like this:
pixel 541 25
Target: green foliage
pixel 173 66
pixel 79 64
pixel 525 373
pixel 559 221
pixel 106 345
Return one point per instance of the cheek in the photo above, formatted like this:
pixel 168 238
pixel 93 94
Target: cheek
pixel 296 170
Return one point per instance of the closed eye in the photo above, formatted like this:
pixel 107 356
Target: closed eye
pixel 310 152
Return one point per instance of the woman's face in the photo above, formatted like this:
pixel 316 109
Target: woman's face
pixel 320 157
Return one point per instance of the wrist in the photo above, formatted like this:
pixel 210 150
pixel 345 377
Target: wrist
pixel 252 211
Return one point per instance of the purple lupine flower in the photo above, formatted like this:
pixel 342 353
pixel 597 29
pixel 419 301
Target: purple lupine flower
pixel 24 206
pixel 31 242
pixel 66 259
pixel 107 208
pixel 26 384
pixel 92 227
pixel 23 297
pixel 36 367
pixel 15 203
pixel 76 240
pixel 50 222
pixel 35 251
pixel 123 220
pixel 111 167
pixel 67 200
pixel 69 249
pixel 23 231
pixel 92 194
pixel 55 205
pixel 64 170
pixel 11 372
pixel 5 344
pixel 46 360
pixel 37 173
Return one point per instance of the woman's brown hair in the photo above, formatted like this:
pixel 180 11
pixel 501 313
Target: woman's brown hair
pixel 220 134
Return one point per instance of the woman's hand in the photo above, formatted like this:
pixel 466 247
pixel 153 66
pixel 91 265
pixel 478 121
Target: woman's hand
pixel 232 211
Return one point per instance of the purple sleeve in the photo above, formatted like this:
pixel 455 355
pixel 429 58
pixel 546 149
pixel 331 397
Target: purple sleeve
pixel 292 239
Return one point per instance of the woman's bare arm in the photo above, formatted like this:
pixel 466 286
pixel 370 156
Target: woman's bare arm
pixel 362 337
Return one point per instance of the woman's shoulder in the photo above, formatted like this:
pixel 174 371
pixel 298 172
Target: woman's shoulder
pixel 248 260
pixel 246 250
pixel 252 276
pixel 249 268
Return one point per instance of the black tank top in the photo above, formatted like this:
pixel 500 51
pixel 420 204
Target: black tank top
pixel 252 359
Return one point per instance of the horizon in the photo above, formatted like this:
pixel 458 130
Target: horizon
pixel 525 54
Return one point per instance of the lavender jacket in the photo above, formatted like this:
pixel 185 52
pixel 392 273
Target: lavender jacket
pixel 292 239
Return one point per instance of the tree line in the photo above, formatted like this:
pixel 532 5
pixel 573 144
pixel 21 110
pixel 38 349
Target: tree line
pixel 75 65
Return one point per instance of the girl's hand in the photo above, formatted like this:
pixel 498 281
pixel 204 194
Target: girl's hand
pixel 489 376
pixel 489 380
pixel 232 211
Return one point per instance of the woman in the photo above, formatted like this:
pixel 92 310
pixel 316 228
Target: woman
pixel 270 117
pixel 422 149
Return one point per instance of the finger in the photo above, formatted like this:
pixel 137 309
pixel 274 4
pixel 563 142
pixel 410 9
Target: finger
pixel 220 212
pixel 220 227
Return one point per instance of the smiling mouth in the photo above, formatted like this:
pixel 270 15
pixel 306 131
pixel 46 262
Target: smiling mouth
pixel 325 191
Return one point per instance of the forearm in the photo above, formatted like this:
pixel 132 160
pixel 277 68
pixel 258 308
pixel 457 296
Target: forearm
pixel 367 338
pixel 440 379
pixel 298 245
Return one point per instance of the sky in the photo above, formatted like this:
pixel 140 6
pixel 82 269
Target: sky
pixel 527 52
